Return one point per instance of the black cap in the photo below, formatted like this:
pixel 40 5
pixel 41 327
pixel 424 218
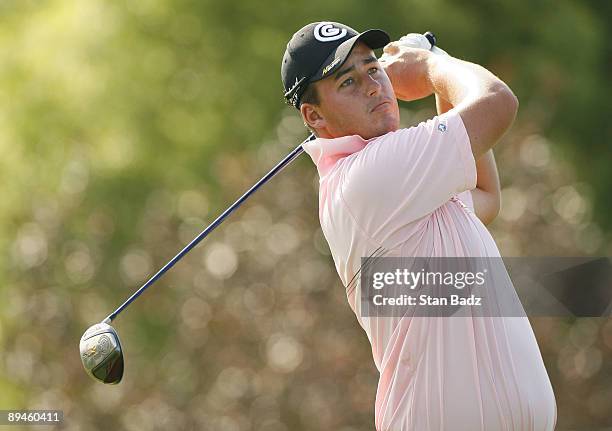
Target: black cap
pixel 319 49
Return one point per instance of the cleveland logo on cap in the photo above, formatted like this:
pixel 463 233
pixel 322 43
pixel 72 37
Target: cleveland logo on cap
pixel 330 65
pixel 326 32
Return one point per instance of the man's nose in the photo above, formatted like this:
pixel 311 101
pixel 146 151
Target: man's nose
pixel 373 86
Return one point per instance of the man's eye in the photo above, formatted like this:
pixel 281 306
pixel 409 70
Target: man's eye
pixel 373 70
pixel 346 82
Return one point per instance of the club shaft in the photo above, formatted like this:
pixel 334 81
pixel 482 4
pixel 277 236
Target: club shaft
pixel 288 159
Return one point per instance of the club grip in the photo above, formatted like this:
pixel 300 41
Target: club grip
pixel 431 38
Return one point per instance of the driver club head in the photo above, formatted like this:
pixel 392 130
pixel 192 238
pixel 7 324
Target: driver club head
pixel 101 353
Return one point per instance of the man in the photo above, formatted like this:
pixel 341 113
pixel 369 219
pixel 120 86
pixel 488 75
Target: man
pixel 386 191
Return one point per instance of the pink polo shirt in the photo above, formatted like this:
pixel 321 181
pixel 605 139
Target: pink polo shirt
pixel 406 193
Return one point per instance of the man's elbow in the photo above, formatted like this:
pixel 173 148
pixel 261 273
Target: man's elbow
pixel 512 103
pixel 489 116
pixel 507 105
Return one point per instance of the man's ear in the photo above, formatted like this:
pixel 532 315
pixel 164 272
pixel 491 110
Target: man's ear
pixel 312 116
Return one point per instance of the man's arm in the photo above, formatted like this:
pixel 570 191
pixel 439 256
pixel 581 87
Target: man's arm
pixel 487 194
pixel 485 103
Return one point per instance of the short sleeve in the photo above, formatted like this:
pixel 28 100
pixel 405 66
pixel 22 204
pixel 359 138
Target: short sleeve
pixel 407 174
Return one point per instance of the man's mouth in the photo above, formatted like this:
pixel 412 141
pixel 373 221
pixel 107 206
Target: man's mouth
pixel 382 105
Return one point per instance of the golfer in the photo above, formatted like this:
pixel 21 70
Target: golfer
pixel 427 191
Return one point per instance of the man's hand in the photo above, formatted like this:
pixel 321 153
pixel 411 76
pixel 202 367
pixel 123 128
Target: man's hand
pixel 418 40
pixel 407 69
pixel 411 40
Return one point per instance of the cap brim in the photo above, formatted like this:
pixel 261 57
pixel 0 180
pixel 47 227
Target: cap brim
pixel 374 38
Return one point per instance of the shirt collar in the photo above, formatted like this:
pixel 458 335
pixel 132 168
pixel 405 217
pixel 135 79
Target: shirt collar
pixel 325 153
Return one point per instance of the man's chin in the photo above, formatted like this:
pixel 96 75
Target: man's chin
pixel 382 130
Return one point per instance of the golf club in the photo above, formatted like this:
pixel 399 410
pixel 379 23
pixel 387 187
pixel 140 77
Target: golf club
pixel 100 348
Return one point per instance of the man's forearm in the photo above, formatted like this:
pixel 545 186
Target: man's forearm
pixel 487 194
pixel 460 81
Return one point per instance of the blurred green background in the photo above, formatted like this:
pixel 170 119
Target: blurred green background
pixel 127 126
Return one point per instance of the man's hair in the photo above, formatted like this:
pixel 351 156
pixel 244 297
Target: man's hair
pixel 310 96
